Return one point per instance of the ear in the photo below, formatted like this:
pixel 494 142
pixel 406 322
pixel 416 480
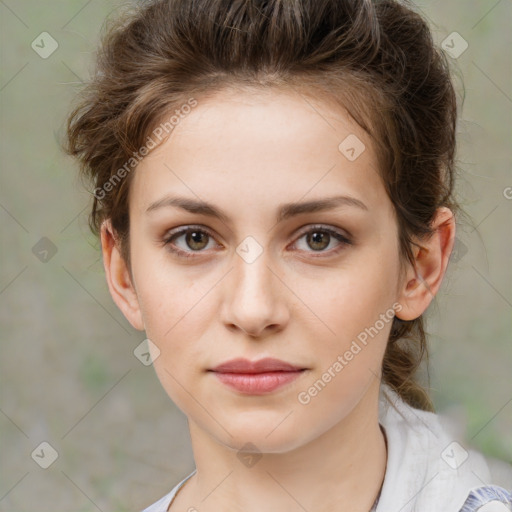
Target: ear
pixel 118 277
pixel 431 259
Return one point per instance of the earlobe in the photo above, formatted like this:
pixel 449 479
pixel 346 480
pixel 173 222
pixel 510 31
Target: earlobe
pixel 431 260
pixel 118 278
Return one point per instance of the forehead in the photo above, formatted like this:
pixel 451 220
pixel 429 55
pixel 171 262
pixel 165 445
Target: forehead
pixel 257 147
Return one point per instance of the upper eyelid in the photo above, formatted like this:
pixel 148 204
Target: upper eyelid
pixel 184 229
pixel 177 232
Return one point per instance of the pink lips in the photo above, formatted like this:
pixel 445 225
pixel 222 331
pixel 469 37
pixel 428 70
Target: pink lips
pixel 256 377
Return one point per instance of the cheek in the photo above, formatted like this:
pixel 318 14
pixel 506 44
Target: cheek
pixel 174 322
pixel 165 292
pixel 356 311
pixel 170 301
pixel 351 300
pixel 349 359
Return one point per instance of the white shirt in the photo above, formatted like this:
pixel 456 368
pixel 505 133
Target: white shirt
pixel 427 469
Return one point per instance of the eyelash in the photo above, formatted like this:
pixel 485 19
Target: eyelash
pixel 344 241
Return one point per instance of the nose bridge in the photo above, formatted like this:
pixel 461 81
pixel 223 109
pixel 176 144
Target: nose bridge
pixel 255 299
pixel 253 277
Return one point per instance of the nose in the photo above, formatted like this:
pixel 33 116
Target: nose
pixel 255 298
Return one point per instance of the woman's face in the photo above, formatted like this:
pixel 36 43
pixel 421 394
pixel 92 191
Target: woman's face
pixel 314 287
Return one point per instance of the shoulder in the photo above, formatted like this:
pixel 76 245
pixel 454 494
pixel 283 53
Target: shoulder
pixel 429 466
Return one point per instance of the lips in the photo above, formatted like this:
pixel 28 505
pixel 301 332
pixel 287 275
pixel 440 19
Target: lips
pixel 262 366
pixel 258 377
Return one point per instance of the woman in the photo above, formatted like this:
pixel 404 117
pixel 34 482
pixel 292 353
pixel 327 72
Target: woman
pixel 273 188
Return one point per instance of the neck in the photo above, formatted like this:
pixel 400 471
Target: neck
pixel 342 470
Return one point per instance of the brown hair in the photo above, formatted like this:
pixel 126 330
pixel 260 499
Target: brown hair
pixel 375 58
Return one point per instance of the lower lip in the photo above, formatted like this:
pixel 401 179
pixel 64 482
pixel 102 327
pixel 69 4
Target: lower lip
pixel 257 383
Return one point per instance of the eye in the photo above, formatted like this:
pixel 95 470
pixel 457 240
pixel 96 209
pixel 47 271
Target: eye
pixel 319 238
pixel 195 240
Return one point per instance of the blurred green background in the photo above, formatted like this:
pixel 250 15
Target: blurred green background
pixel 68 374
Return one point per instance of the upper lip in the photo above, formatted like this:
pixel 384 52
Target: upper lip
pixel 267 364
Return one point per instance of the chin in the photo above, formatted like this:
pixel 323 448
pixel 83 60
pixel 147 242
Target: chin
pixel 256 439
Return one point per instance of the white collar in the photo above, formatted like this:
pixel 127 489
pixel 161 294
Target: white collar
pixel 427 468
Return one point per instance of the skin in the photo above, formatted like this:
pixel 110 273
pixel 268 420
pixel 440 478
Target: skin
pixel 247 153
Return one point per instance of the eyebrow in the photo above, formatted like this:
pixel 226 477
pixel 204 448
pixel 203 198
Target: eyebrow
pixel 285 211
